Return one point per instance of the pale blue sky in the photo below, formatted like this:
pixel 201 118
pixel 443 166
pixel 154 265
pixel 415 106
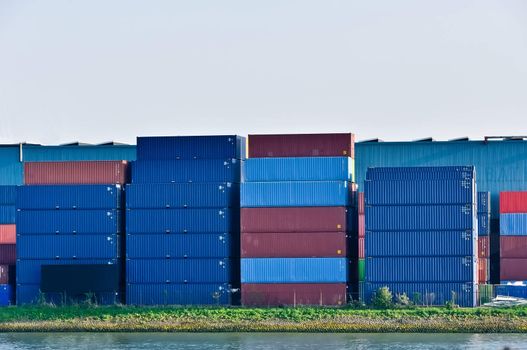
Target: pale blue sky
pixel 110 70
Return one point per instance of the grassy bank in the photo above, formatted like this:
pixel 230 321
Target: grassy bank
pixel 172 319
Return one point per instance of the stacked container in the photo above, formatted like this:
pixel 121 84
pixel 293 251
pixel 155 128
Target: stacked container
pixel 362 230
pixel 513 236
pixel 69 213
pixel 296 191
pixel 183 221
pixel 7 244
pixel 483 237
pixel 421 234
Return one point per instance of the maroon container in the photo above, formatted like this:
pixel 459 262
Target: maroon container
pixel 7 274
pixel 295 219
pixel 513 247
pixel 7 254
pixel 293 245
pixel 512 269
pixel 85 172
pixel 293 294
pixel 362 225
pixel 483 270
pixel 361 247
pixel 483 247
pixel 301 145
pixel 361 202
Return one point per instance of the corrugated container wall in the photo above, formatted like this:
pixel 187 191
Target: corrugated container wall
pixel 11 169
pixel 81 172
pixel 38 153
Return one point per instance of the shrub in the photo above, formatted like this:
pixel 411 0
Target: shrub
pixel 383 298
pixel 401 299
pixel 416 298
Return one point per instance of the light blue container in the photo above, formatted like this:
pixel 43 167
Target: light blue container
pixel 514 224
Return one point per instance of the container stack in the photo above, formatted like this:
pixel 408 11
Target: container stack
pixel 483 237
pixel 183 221
pixel 7 244
pixel 296 195
pixel 362 231
pixel 421 234
pixel 69 232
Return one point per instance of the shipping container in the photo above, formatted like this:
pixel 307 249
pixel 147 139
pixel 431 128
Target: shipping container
pixel 6 295
pixel 513 202
pixel 34 247
pixel 360 200
pixel 7 274
pixel 69 197
pixel 175 270
pixel 302 145
pixel 186 170
pixel 294 270
pixel 513 247
pixel 303 219
pixel 76 152
pixel 145 221
pixel 361 265
pixel 11 169
pixel 7 194
pixel 8 234
pixel 293 245
pixel 513 269
pixel 514 224
pixel 189 195
pixel 29 271
pixel 362 225
pixel 420 243
pixel 484 247
pixel 27 294
pixel 429 294
pixel 484 202
pixel 88 172
pixel 483 224
pixel 193 245
pixel 296 194
pixel 511 290
pixel 7 254
pixel 191 147
pixel 33 222
pixel 294 294
pixel 421 173
pixel 7 214
pixel 483 270
pixel 179 294
pixel 421 269
pixel 298 169
pixel 419 192
pixel 361 241
pixel 437 217
pixel 77 280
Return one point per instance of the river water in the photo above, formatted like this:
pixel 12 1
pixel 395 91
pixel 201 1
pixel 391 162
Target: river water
pixel 258 341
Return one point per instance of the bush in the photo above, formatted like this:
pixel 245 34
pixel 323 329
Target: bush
pixel 383 298
pixel 416 298
pixel 401 299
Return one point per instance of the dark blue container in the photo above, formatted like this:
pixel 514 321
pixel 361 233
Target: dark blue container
pixel 145 221
pixel 421 269
pixel 484 202
pixel 518 291
pixel 69 197
pixel 6 295
pixel 192 245
pixel 419 192
pixel 483 224
pixel 28 271
pixel 7 214
pixel 416 218
pixel 179 294
pixel 7 195
pixel 33 222
pixel 428 294
pixel 68 246
pixel 420 243
pixel 190 147
pixel 296 194
pixel 181 270
pixel 188 195
pixel 513 224
pixel 421 173
pixel 30 294
pixel 185 170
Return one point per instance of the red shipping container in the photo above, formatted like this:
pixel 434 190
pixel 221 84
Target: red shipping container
pixel 483 247
pixel 7 234
pixel 362 225
pixel 7 254
pixel 293 245
pixel 293 294
pixel 513 247
pixel 302 145
pixel 513 269
pixel 361 247
pixel 7 274
pixel 483 270
pixel 513 202
pixel 84 172
pixel 361 202
pixel 294 219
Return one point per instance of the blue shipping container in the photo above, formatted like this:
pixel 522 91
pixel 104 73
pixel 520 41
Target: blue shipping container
pixel 420 243
pixel 484 202
pixel 294 270
pixel 483 224
pixel 6 295
pixel 419 192
pixel 38 153
pixel 421 269
pixel 296 194
pixel 434 217
pixel 31 294
pixel 7 195
pixel 7 214
pixel 188 195
pixel 197 245
pixel 298 169
pixel 462 294
pixel 190 147
pixel 69 197
pixel 11 168
pixel 28 271
pixel 33 222
pixel 421 173
pixel 216 270
pixel 513 224
pixel 178 294
pixel 185 170
pixel 68 247
pixel 144 221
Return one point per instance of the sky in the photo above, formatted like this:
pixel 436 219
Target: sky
pixel 99 70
